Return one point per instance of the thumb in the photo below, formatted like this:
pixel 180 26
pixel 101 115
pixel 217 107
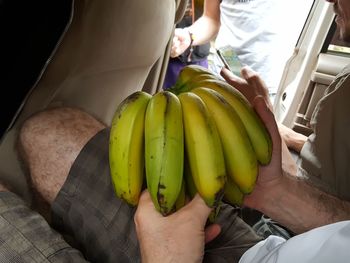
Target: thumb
pixel 146 207
pixel 199 209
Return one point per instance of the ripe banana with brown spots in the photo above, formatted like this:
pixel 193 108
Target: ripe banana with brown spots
pixel 203 149
pixel 126 147
pixel 164 150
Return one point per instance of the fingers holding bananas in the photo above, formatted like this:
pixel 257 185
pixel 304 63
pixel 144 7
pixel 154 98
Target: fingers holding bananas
pixel 202 137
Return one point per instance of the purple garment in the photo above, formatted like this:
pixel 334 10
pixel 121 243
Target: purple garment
pixel 174 67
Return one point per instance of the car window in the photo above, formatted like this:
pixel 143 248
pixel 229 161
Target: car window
pixel 334 45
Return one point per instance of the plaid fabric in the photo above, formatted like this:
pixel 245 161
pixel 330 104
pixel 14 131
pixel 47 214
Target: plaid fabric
pixel 88 210
pixel 25 236
pixel 235 238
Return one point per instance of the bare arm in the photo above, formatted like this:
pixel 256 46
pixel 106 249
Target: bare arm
pixel 294 140
pixel 298 205
pixel 203 30
pixel 208 25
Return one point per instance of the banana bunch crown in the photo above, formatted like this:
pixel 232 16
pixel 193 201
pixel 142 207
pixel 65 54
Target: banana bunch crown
pixel 201 136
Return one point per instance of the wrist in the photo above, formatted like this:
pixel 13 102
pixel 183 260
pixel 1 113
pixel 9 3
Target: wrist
pixel 289 205
pixel 263 202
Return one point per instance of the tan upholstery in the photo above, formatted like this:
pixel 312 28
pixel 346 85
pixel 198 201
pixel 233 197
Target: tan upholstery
pixel 106 53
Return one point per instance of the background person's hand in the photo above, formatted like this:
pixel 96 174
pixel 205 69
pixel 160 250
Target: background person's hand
pixel 179 237
pixel 181 41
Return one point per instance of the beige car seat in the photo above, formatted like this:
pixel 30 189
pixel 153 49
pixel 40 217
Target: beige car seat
pixel 110 48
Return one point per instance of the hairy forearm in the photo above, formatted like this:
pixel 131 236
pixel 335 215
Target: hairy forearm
pixel 301 207
pixel 288 163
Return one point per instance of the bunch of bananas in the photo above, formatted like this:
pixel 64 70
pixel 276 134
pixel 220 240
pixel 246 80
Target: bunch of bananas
pixel 201 136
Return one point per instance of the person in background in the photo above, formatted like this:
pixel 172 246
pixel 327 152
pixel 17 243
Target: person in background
pixel 189 47
pixel 260 34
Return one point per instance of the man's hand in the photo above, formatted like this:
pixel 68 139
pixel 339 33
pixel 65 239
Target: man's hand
pixel 179 237
pixel 269 175
pixel 254 89
pixel 181 42
pixel 251 85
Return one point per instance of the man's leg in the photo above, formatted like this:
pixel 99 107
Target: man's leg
pixel 67 156
pixel 49 143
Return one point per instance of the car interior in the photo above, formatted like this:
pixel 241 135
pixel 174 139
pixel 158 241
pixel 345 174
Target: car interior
pixel 105 51
pixel 318 57
pixel 101 51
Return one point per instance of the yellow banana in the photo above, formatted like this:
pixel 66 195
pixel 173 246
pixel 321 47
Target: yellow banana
pixel 203 148
pixel 241 162
pixel 191 71
pixel 126 147
pixel 191 191
pixel 257 132
pixel 232 194
pixel 181 199
pixel 190 74
pixel 164 150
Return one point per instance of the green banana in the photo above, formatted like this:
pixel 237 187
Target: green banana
pixel 181 199
pixel 257 132
pixel 214 213
pixel 190 74
pixel 164 150
pixel 191 191
pixel 241 162
pixel 191 71
pixel 232 194
pixel 126 147
pixel 203 148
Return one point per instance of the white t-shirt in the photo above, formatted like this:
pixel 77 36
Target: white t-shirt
pixel 263 33
pixel 327 244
